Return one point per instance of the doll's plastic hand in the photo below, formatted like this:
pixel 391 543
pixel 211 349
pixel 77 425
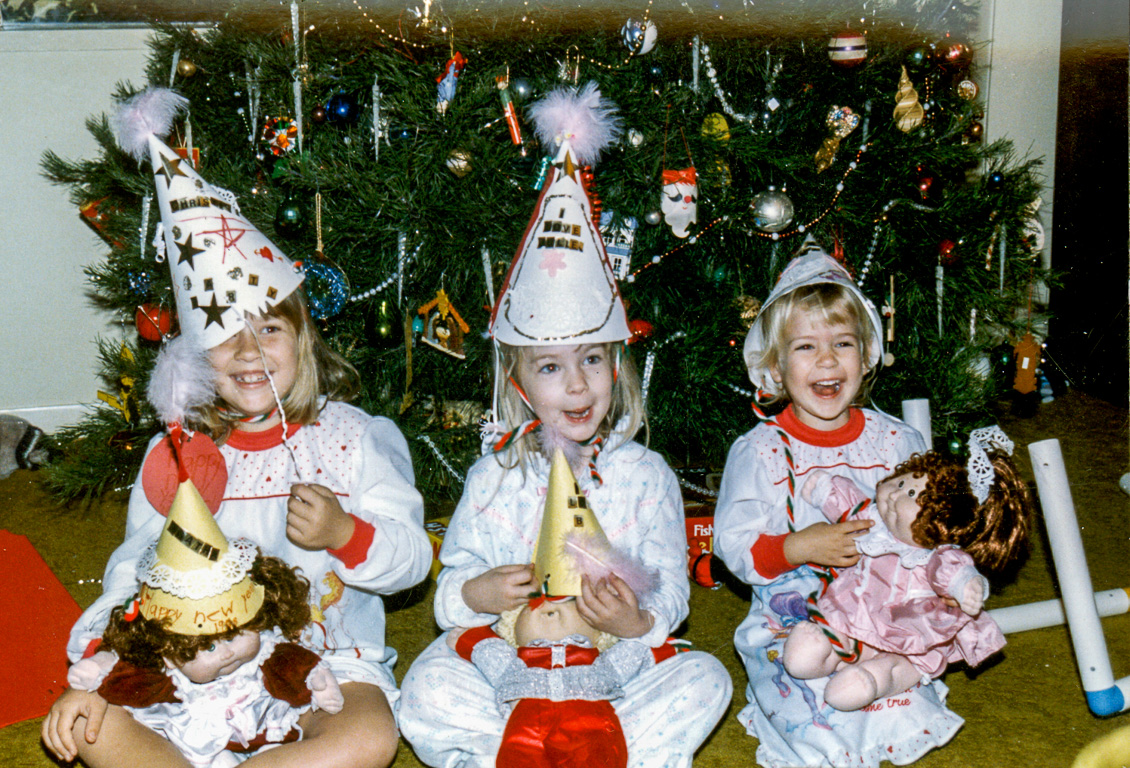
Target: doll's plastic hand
pixel 88 674
pixel 58 727
pixel 324 689
pixel 831 544
pixel 500 589
pixel 454 635
pixel 814 477
pixel 315 519
pixel 610 605
pixel 972 597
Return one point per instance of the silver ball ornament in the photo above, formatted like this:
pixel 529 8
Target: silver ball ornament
pixel 771 210
pixel 653 217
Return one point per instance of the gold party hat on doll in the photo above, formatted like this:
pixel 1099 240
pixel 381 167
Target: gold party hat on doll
pixel 567 518
pixel 193 578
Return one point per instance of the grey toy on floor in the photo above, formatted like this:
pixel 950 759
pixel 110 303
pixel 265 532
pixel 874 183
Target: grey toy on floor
pixel 20 446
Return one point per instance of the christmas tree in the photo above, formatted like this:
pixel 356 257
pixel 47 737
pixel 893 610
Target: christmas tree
pixel 398 166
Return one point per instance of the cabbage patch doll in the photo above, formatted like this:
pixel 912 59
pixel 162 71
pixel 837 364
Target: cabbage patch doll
pixel 912 604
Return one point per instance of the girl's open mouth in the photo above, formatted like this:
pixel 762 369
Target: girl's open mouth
pixel 826 388
pixel 578 415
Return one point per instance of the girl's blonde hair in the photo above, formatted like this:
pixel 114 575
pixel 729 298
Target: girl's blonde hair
pixel 627 397
pixel 834 304
pixel 319 372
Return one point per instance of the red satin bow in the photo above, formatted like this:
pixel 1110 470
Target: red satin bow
pixel 542 657
pixel 685 176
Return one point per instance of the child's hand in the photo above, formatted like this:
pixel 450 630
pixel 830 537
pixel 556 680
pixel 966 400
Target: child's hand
pixel 610 606
pixel 500 589
pixel 324 689
pixel 972 597
pixel 58 727
pixel 831 544
pixel 315 519
pixel 454 635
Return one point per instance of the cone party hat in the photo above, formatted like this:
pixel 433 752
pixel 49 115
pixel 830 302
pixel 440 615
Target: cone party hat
pixel 560 288
pixel 193 578
pixel 566 519
pixel 222 265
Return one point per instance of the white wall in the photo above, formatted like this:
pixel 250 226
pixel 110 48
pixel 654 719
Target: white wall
pixel 50 82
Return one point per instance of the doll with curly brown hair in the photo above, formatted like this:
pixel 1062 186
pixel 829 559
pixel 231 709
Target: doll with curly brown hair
pixel 912 604
pixel 208 656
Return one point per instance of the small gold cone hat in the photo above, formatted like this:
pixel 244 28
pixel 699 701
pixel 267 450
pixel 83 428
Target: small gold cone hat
pixel 566 512
pixel 193 578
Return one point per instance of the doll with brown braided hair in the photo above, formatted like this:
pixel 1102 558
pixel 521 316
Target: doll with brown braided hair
pixel 912 604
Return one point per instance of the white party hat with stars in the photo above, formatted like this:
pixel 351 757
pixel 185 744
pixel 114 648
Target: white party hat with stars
pixel 222 265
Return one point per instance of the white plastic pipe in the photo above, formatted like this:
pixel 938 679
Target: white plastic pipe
pixel 916 413
pixel 1105 696
pixel 1049 613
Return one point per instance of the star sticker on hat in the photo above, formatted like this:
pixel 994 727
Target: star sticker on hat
pixel 170 167
pixel 214 312
pixel 188 251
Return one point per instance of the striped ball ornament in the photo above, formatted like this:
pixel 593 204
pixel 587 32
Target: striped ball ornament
pixel 848 49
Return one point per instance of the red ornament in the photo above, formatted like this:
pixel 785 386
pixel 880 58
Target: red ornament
pixel 947 253
pixel 641 329
pixel 848 49
pixel 153 321
pixel 952 55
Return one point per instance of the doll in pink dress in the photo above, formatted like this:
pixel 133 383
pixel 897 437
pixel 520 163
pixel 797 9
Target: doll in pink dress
pixel 912 605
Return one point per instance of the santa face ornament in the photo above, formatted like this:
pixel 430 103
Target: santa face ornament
pixel 680 200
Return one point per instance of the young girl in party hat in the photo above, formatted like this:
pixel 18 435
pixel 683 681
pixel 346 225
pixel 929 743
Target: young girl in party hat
pixel 319 483
pixel 562 375
pixel 816 344
pixel 912 605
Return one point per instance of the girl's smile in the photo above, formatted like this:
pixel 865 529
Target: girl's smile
pixel 822 370
pixel 264 346
pixel 568 387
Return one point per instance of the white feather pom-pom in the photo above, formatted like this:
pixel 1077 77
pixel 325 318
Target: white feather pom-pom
pixel 551 440
pixel 183 380
pixel 585 118
pixel 149 113
pixel 594 557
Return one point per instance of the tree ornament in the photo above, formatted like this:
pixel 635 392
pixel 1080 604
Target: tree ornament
pixel 290 218
pixel 847 49
pixel 508 111
pixel 1032 229
pixel 653 217
pixel 125 402
pixel 715 128
pixel 342 108
pixel 618 240
pixel 966 90
pixel 641 329
pixel 384 325
pixel 327 287
pixel 403 135
pixel 908 111
pixel 280 134
pixel 771 210
pixel 953 55
pixel 973 133
pixel 318 114
pixel 153 321
pixel 635 137
pixel 446 83
pixel 1027 353
pixel 459 162
pixel 444 329
pixel 948 254
pixel 639 36
pixel 841 121
pixel 929 185
pixel 186 68
pixel 748 307
pixel 888 312
pixel 994 182
pixel 680 200
pixel 955 445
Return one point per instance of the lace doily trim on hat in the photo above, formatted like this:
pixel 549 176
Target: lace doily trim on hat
pixel 230 569
pixel 979 466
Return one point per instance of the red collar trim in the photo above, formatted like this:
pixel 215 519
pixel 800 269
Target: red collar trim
pixel 848 433
pixel 242 440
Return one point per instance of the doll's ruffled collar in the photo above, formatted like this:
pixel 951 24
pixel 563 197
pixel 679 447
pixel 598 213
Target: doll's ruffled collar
pixel 880 541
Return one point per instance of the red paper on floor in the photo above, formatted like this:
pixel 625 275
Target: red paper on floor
pixel 33 648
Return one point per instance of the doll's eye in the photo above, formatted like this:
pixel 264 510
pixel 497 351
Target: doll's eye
pixel 211 648
pixel 911 493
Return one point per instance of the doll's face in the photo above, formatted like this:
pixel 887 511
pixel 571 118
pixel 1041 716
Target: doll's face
pixel 551 621
pixel 222 658
pixel 896 501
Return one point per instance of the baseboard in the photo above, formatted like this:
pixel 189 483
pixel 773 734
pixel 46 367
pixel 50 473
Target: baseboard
pixel 49 418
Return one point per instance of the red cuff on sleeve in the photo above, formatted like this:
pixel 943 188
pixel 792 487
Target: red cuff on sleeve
pixel 769 556
pixel 663 652
pixel 357 548
pixel 92 648
pixel 467 641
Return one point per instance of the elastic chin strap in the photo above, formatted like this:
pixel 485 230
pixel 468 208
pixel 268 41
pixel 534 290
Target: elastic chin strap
pixel 275 393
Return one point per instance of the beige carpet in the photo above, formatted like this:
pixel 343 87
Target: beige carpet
pixel 1027 709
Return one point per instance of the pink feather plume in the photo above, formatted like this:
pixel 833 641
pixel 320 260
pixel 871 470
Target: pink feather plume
pixel 183 380
pixel 594 557
pixel 145 114
pixel 583 116
pixel 550 439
